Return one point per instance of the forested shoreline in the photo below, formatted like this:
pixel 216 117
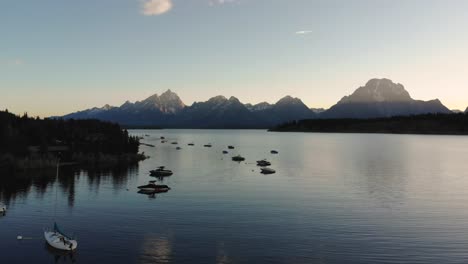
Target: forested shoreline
pixel 27 143
pixel 429 124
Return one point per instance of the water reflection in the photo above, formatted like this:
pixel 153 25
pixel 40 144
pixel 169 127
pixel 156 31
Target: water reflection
pixel 19 185
pixel 67 185
pixel 60 256
pixel 119 177
pixel 152 194
pixel 222 256
pixel 156 250
pixel 335 199
pixel 381 167
pixel 160 178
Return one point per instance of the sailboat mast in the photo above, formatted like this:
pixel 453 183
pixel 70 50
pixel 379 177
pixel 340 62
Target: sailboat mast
pixel 56 188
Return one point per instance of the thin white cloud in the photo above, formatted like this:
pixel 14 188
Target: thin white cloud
pixel 156 7
pixel 12 62
pixel 18 62
pixel 220 2
pixel 303 32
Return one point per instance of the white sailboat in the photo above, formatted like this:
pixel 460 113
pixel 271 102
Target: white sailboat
pixel 56 238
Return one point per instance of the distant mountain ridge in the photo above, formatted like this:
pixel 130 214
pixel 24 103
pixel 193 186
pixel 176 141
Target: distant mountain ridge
pixel 378 98
pixel 149 112
pixel 168 110
pixel 382 98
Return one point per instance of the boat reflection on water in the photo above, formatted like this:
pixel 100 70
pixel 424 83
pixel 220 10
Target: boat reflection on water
pixel 160 179
pixel 222 256
pixel 156 250
pixel 152 194
pixel 61 256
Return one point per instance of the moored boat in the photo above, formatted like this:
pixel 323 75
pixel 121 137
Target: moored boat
pixel 238 158
pixel 230 147
pixel 225 152
pixel 54 237
pixel 152 186
pixel 57 239
pixel 207 145
pixel 263 163
pixel 267 170
pixel 161 172
pixel 274 152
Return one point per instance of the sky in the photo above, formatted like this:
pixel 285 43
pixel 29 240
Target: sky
pixel 58 56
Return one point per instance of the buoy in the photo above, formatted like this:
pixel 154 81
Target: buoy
pixel 23 238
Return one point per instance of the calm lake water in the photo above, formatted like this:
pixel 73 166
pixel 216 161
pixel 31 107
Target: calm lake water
pixel 336 198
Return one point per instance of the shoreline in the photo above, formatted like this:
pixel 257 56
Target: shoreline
pixel 428 124
pixel 370 133
pixel 82 160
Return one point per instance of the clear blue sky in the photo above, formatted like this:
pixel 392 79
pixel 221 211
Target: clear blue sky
pixel 60 56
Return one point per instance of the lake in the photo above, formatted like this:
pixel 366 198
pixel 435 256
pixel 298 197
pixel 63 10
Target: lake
pixel 335 198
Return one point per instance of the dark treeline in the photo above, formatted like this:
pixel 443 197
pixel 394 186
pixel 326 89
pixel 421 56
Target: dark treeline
pixel 437 124
pixel 81 141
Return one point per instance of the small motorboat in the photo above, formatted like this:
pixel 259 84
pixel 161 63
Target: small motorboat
pixel 163 141
pixel 191 144
pixel 57 239
pixel 148 187
pixel 225 152
pixel 274 152
pixel 267 170
pixel 238 158
pixel 174 143
pixel 178 148
pixel 207 146
pixel 2 209
pixel 230 147
pixel 162 138
pixel 263 163
pixel 152 186
pixel 161 172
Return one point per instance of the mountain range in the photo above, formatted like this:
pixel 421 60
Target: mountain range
pixel 382 98
pixel 378 98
